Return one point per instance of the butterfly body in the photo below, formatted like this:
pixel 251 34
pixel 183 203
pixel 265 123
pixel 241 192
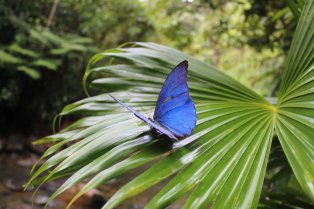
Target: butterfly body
pixel 175 113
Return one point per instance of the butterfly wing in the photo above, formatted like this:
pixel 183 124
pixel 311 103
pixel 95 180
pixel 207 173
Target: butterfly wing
pixel 175 109
pixel 148 121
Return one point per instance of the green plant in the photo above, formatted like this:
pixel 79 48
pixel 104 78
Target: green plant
pixel 36 61
pixel 248 39
pixel 36 48
pixel 223 163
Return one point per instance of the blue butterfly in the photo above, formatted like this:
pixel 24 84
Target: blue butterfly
pixel 175 113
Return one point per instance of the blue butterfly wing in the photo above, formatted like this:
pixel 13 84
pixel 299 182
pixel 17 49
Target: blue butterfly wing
pixel 151 123
pixel 175 109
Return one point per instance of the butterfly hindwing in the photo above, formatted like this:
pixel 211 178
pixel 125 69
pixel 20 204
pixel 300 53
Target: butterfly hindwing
pixel 175 109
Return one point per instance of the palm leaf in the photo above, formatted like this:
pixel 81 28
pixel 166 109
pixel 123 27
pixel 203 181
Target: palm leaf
pixel 295 124
pixel 221 164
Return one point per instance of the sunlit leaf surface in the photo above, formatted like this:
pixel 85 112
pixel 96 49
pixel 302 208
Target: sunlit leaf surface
pixel 221 164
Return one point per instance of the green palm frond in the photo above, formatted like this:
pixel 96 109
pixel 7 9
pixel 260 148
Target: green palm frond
pixel 221 164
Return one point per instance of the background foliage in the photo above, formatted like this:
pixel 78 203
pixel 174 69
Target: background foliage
pixel 42 64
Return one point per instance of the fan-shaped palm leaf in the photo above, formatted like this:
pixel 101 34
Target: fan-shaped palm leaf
pixel 222 163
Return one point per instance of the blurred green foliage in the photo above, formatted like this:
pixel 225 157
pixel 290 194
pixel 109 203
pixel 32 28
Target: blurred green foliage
pixel 42 57
pixel 108 22
pixel 249 39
